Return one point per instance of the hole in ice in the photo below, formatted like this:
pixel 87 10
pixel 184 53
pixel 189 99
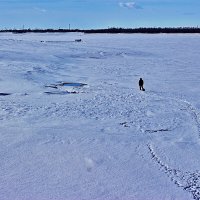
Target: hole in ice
pixel 61 90
pixel 69 84
pixel 4 94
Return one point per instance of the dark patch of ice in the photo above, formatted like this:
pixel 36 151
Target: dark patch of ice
pixel 72 84
pixel 5 94
pixel 158 130
pixel 61 92
pixel 52 86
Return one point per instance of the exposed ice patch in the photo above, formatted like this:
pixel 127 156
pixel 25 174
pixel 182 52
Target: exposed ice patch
pixel 59 88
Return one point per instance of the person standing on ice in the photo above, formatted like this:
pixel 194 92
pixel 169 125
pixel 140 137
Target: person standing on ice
pixel 141 83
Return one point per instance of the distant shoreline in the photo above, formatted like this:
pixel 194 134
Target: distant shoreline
pixel 110 30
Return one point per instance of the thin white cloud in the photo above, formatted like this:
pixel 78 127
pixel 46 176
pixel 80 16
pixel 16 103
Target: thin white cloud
pixel 40 9
pixel 129 5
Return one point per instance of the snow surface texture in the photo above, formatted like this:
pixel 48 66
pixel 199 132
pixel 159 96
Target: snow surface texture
pixel 74 124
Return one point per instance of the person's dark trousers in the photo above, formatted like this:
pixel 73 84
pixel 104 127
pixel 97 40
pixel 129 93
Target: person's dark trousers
pixel 141 88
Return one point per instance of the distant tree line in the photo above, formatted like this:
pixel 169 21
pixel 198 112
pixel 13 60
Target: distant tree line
pixel 110 30
pixel 147 30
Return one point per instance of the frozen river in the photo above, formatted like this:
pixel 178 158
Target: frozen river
pixel 74 124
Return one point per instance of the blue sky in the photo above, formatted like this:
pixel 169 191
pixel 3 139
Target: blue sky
pixel 84 14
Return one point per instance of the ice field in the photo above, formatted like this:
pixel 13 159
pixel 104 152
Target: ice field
pixel 75 126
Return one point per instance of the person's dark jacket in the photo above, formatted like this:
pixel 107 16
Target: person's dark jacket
pixel 141 82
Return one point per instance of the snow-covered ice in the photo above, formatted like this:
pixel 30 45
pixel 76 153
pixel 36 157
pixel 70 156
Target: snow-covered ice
pixel 74 125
